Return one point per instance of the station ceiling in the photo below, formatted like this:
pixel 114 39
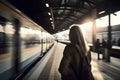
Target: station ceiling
pixel 58 15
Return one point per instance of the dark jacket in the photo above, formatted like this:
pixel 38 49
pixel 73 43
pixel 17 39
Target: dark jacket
pixel 70 66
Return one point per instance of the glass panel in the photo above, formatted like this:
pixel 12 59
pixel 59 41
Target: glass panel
pixel 30 45
pixel 115 22
pixel 6 37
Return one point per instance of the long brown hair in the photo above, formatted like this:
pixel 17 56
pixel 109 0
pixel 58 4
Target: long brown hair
pixel 76 37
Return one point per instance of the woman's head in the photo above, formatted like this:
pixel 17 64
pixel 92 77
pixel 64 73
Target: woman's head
pixel 76 37
pixel 74 34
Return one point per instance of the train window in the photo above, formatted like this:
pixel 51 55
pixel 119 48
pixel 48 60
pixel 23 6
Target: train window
pixel 20 42
pixel 30 45
pixel 6 35
pixel 2 21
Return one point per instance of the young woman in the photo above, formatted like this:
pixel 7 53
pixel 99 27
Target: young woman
pixel 75 64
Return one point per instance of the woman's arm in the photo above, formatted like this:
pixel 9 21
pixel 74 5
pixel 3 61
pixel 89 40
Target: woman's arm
pixel 65 62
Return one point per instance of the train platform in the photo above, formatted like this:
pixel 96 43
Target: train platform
pixel 47 67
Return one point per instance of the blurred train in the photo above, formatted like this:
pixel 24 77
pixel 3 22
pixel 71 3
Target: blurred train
pixel 101 33
pixel 22 41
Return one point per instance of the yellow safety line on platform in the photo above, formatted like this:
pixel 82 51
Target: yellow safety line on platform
pixel 53 68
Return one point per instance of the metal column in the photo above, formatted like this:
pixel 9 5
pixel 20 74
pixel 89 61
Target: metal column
pixel 94 13
pixel 109 38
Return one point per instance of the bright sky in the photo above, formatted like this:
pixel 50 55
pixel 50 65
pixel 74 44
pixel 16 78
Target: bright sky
pixel 103 22
pixel 115 19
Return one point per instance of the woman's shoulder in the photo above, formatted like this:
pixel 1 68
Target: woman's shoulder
pixel 70 47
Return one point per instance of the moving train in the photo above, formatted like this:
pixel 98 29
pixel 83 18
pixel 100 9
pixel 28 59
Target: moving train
pixel 101 33
pixel 22 41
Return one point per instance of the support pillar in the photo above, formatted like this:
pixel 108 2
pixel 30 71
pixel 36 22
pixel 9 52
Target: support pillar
pixel 94 15
pixel 109 46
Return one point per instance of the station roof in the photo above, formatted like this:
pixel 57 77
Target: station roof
pixel 58 15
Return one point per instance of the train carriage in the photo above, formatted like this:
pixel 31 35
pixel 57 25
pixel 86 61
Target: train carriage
pixel 22 41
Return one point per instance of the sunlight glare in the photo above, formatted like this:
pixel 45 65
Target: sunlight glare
pixel 86 26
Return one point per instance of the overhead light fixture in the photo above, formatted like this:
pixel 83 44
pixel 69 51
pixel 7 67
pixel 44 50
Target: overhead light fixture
pixel 50 18
pixel 52 22
pixel 101 12
pixel 49 13
pixel 47 5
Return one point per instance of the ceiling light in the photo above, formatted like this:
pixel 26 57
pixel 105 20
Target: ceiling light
pixel 101 12
pixel 50 18
pixel 49 13
pixel 51 22
pixel 47 5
